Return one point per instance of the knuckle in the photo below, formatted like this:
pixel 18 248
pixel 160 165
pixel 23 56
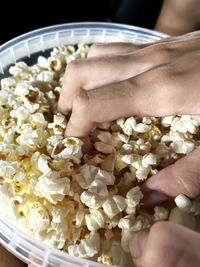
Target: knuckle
pixel 73 67
pixel 93 50
pixel 81 102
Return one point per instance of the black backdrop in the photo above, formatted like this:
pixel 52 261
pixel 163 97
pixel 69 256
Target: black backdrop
pixel 18 17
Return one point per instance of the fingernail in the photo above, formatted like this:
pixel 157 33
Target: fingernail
pixel 138 242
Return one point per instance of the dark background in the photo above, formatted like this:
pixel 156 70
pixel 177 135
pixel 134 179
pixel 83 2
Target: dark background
pixel 21 17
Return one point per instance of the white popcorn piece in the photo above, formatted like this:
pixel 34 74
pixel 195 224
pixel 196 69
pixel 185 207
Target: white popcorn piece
pixel 8 82
pixel 184 124
pixel 20 70
pixel 128 125
pixel 38 218
pixel 167 121
pixel 133 159
pixel 142 128
pixel 19 176
pixel 146 120
pixel 39 120
pixel 43 62
pixel 8 168
pixel 133 198
pixel 91 176
pixel 86 205
pixel 182 147
pixel 22 89
pixel 91 200
pixel 59 220
pixel 80 216
pixel 160 213
pixel 183 202
pixel 149 159
pixel 94 220
pixel 58 124
pixel 142 173
pixel 43 165
pixel 88 247
pixel 72 147
pixel 105 259
pixel 45 76
pixel 5 195
pixel 127 222
pixel 52 238
pixel 114 205
pixel 51 187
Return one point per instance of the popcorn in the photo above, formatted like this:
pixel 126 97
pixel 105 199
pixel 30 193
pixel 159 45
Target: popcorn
pixel 51 187
pixel 114 205
pixel 8 168
pixel 183 202
pixel 91 200
pixel 133 198
pixel 160 213
pixel 86 205
pixel 43 165
pixel 94 220
pixel 38 218
pixel 88 247
pixel 93 176
pixel 45 76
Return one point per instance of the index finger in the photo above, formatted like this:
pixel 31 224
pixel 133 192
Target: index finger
pixel 160 91
pixel 183 177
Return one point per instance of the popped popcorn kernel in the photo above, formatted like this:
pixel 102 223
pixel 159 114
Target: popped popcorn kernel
pixel 86 205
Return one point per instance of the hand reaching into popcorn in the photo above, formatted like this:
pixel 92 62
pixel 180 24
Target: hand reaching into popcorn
pixel 151 81
pixel 160 79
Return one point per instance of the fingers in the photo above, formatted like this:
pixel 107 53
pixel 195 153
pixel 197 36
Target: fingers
pixel 183 177
pixel 166 245
pixel 92 73
pixel 102 49
pixel 160 91
pixel 149 94
pixel 95 72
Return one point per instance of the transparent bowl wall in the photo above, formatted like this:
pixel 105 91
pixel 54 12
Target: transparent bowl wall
pixel 27 47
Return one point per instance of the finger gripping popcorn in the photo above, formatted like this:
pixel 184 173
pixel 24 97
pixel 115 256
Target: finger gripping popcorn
pixel 86 205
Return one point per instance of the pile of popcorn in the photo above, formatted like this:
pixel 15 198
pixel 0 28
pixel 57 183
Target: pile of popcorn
pixel 86 205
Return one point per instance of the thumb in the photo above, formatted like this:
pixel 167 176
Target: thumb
pixel 166 245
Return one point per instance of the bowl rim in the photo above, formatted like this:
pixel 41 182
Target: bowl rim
pixel 77 25
pixel 7 223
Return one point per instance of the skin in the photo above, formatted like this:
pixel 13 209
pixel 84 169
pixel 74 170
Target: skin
pixel 120 80
pixel 153 81
pixel 179 17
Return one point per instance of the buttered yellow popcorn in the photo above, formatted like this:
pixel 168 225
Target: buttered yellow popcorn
pixel 86 205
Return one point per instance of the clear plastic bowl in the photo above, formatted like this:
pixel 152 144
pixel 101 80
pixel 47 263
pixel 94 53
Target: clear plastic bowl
pixel 27 47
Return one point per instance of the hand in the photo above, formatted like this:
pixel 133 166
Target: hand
pixel 166 245
pixel 151 81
